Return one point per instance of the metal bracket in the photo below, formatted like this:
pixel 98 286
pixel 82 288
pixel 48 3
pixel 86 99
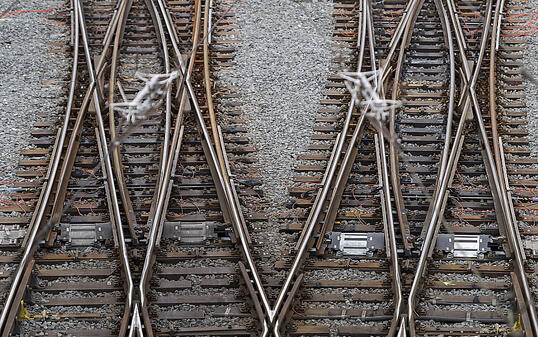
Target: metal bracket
pixel 189 232
pixel 463 245
pixel 11 234
pixel 356 243
pixel 85 234
pixel 531 244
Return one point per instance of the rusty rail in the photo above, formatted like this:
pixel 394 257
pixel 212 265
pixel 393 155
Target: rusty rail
pixel 97 96
pixel 500 197
pixel 39 213
pixel 212 147
pixel 116 154
pixel 440 199
pixel 93 93
pixel 337 177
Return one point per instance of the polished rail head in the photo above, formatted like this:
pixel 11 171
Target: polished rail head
pixel 108 166
pixel 49 184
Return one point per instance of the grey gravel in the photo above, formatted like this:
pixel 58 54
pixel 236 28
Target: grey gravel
pixel 281 69
pixel 531 69
pixel 346 274
pixel 31 79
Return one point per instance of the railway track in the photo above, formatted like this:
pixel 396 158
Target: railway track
pixel 358 294
pixel 95 242
pixel 473 259
pixel 482 173
pixel 197 285
pixel 57 282
pixel 413 216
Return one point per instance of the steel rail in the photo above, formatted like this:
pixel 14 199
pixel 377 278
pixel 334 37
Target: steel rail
pixel 448 166
pixel 330 172
pixel 116 154
pixel 393 45
pixel 112 23
pixel 174 41
pixel 49 184
pixel 391 248
pixel 166 147
pixel 97 96
pixel 365 29
pixel 302 245
pixel 398 321
pixel 93 89
pixel 136 324
pixel 497 148
pixel 221 194
pixel 492 92
pixel 439 201
pixel 219 187
pixel 125 318
pixel 210 24
pixel 234 211
pixel 73 144
pixel 345 169
pixel 229 196
pixel 404 26
pixel 207 84
pixel 447 33
pixel 239 229
pixel 393 147
pixel 161 37
pixel 469 91
pixel 502 183
pixel 512 233
pixel 525 319
pixel 168 107
pixel 156 217
pixel 351 152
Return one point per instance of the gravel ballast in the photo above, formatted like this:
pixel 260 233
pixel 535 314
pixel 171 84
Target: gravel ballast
pixel 531 71
pixel 281 69
pixel 31 76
